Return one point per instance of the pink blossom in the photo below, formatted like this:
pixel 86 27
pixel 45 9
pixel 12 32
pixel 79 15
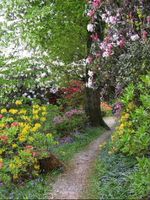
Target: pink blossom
pixel 96 3
pixel 110 46
pixel 73 112
pixel 14 124
pixel 91 13
pixel 148 19
pixel 58 120
pixel 122 43
pixel 144 35
pixel 89 59
pixel 98 54
pixel 112 19
pixel 1 116
pixel 95 37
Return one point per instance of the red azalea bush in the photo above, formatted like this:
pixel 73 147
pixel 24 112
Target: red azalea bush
pixel 73 94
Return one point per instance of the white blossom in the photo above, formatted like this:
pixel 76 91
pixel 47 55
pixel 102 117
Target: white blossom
pixel 135 37
pixel 90 27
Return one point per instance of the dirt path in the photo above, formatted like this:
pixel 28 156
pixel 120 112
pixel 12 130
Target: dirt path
pixel 72 183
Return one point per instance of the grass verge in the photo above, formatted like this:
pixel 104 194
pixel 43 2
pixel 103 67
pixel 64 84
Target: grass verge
pixel 40 187
pixel 109 179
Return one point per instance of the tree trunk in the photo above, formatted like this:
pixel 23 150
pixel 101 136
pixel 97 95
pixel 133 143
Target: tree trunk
pixel 92 108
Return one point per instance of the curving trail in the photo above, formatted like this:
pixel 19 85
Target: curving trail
pixel 72 183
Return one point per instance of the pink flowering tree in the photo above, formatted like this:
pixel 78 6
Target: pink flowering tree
pixel 112 25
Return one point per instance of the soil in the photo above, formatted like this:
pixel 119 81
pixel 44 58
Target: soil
pixel 72 183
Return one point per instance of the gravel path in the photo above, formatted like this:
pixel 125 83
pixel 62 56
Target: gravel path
pixel 72 183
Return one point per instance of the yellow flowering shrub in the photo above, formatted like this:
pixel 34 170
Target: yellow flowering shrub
pixel 22 141
pixel 132 135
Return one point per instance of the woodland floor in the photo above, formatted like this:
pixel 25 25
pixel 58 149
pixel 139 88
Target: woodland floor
pixel 74 181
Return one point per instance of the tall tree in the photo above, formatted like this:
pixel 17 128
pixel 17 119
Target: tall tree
pixel 59 29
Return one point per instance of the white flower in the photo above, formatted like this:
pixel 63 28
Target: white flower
pixel 105 54
pixel 103 17
pixel 115 37
pixel 135 37
pixel 43 75
pixel 25 94
pixel 90 27
pixel 112 20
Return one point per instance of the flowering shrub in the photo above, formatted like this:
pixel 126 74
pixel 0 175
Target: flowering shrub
pixel 124 21
pixel 71 120
pixel 132 135
pixel 73 94
pixel 105 106
pixel 22 141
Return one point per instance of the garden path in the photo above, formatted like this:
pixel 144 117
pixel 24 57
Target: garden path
pixel 72 183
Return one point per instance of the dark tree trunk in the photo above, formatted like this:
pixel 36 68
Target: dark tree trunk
pixel 92 108
pixel 92 95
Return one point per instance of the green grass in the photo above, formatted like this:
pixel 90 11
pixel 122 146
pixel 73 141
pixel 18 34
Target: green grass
pixel 66 151
pixel 109 179
pixel 40 187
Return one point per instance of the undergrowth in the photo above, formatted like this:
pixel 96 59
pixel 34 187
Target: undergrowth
pixel 40 187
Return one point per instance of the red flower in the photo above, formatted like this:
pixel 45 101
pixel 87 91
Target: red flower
pixel 1 116
pixel 1 164
pixel 144 35
pixel 14 124
pixel 29 147
pixel 4 138
pixel 35 154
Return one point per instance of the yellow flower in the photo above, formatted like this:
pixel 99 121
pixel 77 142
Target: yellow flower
pixel 22 111
pixel 26 129
pixel 1 151
pixel 44 113
pixel 3 110
pixel 35 112
pixel 37 167
pixel 49 135
pixel 131 106
pixel 43 119
pixel 44 108
pixel 2 125
pixel 15 176
pixel 18 102
pixel 22 124
pixel 25 118
pixel 36 127
pixel 14 145
pixel 13 111
pixel 12 166
pixel 22 138
pixel 36 106
pixel 36 117
pixel 102 145
pixel 113 137
pixel 121 127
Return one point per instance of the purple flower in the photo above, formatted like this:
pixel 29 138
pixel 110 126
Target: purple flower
pixel 58 120
pixel 117 109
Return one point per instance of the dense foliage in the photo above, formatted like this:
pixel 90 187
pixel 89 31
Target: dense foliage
pixel 74 54
pixel 22 141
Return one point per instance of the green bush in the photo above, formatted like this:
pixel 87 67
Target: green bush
pixel 70 121
pixel 131 137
